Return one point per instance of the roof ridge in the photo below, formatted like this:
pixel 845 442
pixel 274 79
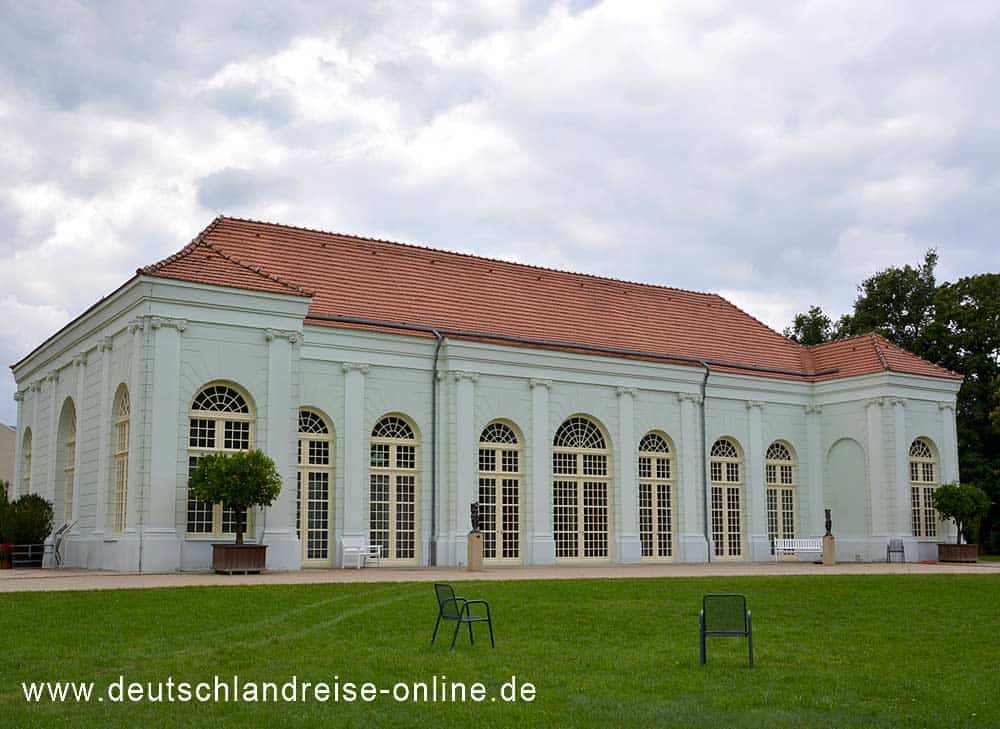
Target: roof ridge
pixel 201 240
pixel 415 246
pixel 880 353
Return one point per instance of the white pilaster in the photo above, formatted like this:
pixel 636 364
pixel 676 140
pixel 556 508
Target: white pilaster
pixel 541 544
pixel 15 485
pixel 467 483
pixel 80 365
pixel 812 510
pixel 158 530
pixel 355 452
pixel 948 455
pixel 693 546
pixel 876 467
pixel 284 551
pixel 104 446
pixel 628 548
pixel 900 523
pixel 948 451
pixel 53 445
pixel 756 490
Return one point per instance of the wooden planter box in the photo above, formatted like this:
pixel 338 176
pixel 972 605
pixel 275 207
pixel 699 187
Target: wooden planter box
pixel 238 558
pixel 958 552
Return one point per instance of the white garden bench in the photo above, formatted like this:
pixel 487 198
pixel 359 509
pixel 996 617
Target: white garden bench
pixel 359 550
pixel 797 545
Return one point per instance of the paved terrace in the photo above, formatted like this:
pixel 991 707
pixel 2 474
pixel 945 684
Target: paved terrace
pixel 23 580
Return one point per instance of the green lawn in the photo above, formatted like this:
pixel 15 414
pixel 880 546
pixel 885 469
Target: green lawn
pixel 838 651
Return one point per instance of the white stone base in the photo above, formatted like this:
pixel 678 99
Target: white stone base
pixel 760 548
pixel 693 548
pixel 628 549
pixel 284 550
pixel 540 550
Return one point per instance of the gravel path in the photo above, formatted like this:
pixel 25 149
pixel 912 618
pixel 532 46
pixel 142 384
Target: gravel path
pixel 73 579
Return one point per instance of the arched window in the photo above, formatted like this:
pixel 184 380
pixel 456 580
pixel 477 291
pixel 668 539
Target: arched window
pixel 221 421
pixel 923 481
pixel 67 454
pixel 122 413
pixel 580 489
pixel 726 469
pixel 315 481
pixel 779 473
pixel 656 479
pixel 500 492
pixel 25 463
pixel 393 489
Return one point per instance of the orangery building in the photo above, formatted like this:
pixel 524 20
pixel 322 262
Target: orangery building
pixel 594 420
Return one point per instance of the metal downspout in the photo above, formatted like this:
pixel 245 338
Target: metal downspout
pixel 434 455
pixel 705 463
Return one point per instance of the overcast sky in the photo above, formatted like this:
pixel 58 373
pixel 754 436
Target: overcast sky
pixel 776 155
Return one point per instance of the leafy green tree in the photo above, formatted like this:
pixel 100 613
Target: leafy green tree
pixel 964 504
pixel 898 303
pixel 965 337
pixel 813 327
pixel 239 481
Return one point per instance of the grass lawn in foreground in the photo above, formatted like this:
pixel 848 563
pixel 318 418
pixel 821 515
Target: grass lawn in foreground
pixel 837 651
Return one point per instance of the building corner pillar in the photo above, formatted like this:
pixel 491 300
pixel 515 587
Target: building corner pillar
pixel 540 540
pixel 284 548
pixel 628 548
pixel 758 541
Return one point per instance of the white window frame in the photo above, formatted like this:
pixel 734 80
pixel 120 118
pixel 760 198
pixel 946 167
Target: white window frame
pixel 393 473
pixel 308 465
pixel 501 467
pixel 727 485
pixel 119 454
pixel 579 482
pixel 924 480
pixel 781 482
pixel 218 420
pixel 661 500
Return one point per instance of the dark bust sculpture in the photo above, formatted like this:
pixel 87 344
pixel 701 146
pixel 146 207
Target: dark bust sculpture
pixel 474 513
pixel 829 524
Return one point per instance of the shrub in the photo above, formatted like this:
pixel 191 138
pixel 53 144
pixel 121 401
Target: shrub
pixel 29 519
pixel 239 481
pixel 4 517
pixel 964 504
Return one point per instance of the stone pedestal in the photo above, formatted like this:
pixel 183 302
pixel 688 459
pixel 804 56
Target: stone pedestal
pixel 475 559
pixel 829 550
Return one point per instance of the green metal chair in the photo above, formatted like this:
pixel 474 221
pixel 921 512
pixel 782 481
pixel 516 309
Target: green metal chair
pixel 725 615
pixel 458 609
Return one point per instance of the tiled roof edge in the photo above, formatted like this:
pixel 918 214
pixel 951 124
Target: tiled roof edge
pixel 201 240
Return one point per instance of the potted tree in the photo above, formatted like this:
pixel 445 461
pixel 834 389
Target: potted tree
pixel 964 504
pixel 239 481
pixel 29 523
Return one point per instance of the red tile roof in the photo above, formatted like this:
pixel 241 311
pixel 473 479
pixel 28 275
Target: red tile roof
pixel 383 281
